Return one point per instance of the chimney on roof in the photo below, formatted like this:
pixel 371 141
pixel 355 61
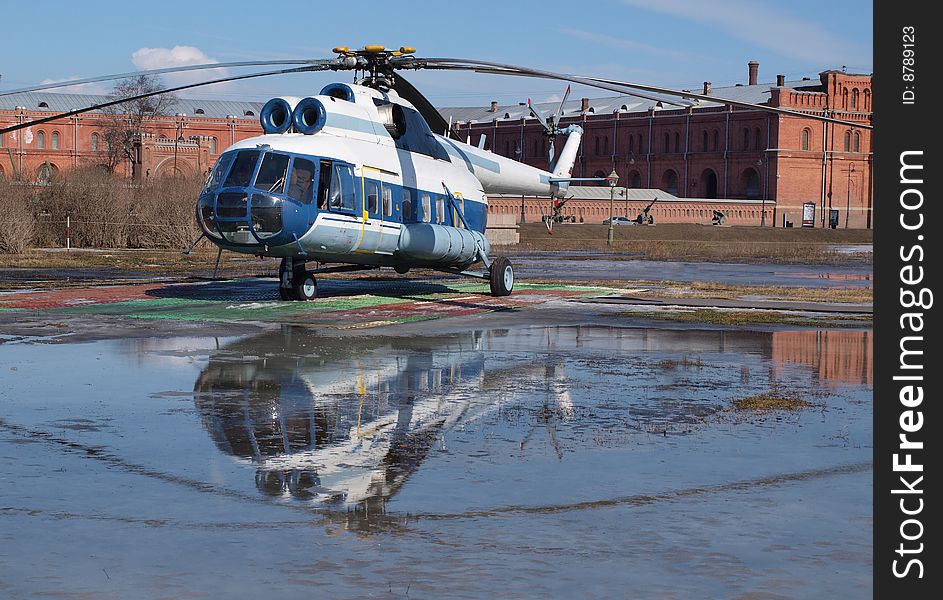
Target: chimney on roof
pixel 707 87
pixel 584 104
pixel 754 68
pixel 494 106
pixel 780 80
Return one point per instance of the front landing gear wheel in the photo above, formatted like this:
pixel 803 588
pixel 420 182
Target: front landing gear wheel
pixel 284 280
pixel 304 286
pixel 502 277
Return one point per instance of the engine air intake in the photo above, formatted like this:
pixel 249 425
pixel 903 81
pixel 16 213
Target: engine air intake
pixel 276 115
pixel 309 116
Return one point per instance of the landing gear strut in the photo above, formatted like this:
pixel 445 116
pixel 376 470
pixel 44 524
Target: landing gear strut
pixel 294 282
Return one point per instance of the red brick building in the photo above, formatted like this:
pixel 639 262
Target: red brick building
pixel 188 141
pixel 710 151
pixel 757 167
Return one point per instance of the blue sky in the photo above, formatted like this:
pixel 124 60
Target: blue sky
pixel 678 43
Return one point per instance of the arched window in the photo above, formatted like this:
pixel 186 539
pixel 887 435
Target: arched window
pixel 535 146
pixel 1 140
pixel 199 111
pixel 704 142
pixel 716 140
pixel 857 142
pixel 854 99
pixel 847 141
pixel 677 142
pixel 746 139
pixel 667 143
pixel 640 143
pixel 631 144
pixel 41 140
pixel 635 180
pixel 806 134
pixel 752 184
pixel 757 139
pixel 94 142
pixel 597 145
pixel 605 148
pixel 670 181
pixel 507 148
pixel 249 113
pixel 867 99
pixel 213 145
pixel 55 140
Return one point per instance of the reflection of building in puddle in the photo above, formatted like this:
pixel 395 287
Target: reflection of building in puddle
pixel 836 356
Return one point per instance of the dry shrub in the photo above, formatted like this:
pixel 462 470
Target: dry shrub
pixel 17 222
pixel 164 214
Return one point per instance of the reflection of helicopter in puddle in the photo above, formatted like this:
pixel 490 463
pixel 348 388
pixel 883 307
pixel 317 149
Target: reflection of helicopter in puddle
pixel 347 426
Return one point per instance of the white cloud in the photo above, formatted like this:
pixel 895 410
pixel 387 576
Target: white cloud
pixel 765 25
pixel 178 56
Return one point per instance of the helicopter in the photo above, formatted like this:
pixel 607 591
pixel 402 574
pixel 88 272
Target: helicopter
pixel 369 174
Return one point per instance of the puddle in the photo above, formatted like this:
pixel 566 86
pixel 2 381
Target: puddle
pixel 543 461
pixel 538 267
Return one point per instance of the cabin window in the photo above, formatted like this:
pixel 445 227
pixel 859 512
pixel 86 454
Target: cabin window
pixel 324 184
pixel 426 207
pixel 302 180
pixel 242 168
pixel 407 206
pixel 440 209
pixel 372 190
pixel 272 173
pixel 343 196
pixel 387 201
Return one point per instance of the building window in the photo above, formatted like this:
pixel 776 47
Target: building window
pixel 640 144
pixel 806 134
pixel 213 146
pixel 857 142
pixel 249 113
pixel 854 99
pixel 752 181
pixel 867 99
pixel 597 145
pixel 847 141
pixel 757 139
pixel 535 147
pixel 677 142
pixel 667 143
pixel 94 142
pixel 199 111
pixel 746 139
pixel 716 140
pixel 670 181
pixel 704 142
pixel 507 148
pixel 41 140
pixel 636 180
pixel 1 140
pixel 631 143
pixel 55 140
pixel 605 148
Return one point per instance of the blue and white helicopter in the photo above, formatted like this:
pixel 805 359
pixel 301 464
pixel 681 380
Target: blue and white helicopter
pixel 369 174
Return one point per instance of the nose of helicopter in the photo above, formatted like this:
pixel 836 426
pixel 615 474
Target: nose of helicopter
pixel 242 217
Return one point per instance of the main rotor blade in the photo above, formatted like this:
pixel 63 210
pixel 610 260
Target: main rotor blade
pixel 623 87
pixel 433 117
pixel 556 116
pixel 180 69
pixel 540 118
pixel 458 64
pixel 156 93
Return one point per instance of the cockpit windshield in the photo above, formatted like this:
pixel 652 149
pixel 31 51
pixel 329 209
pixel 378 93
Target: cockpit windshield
pixel 216 176
pixel 242 169
pixel 272 173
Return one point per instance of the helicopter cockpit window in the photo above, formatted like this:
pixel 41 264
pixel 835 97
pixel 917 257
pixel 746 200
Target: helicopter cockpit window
pixel 216 176
pixel 272 173
pixel 302 180
pixel 342 189
pixel 242 168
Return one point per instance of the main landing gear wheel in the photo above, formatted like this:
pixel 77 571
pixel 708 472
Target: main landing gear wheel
pixel 304 286
pixel 502 277
pixel 295 283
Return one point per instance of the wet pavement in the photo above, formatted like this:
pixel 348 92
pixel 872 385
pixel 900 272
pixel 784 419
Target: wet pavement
pixel 595 266
pixel 475 459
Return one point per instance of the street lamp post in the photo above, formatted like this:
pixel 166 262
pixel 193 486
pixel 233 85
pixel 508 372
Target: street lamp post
pixel 613 181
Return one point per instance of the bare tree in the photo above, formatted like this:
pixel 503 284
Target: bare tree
pixel 130 118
